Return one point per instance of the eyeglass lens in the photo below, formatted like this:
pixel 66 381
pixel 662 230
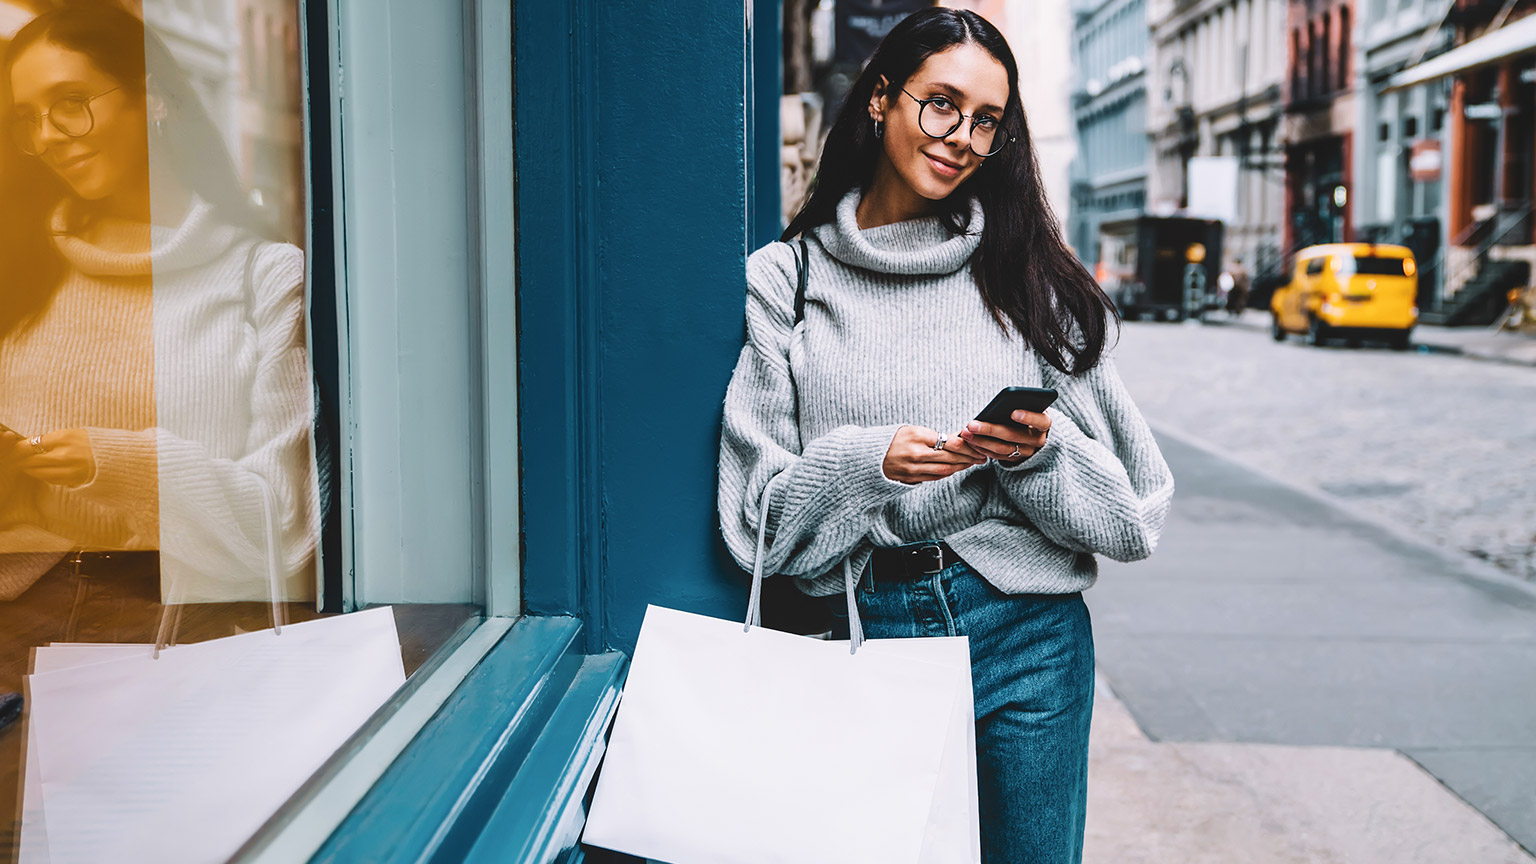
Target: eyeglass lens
pixel 941 119
pixel 70 116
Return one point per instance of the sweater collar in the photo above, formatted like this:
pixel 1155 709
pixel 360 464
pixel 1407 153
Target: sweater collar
pixel 913 247
pixel 197 241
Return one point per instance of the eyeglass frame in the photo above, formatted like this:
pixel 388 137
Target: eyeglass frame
pixel 923 103
pixel 36 121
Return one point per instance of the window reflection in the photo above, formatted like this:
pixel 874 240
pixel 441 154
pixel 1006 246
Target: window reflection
pixel 157 474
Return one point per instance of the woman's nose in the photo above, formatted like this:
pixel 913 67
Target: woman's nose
pixel 961 137
pixel 45 135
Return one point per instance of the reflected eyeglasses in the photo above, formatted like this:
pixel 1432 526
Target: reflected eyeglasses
pixel 939 117
pixel 71 116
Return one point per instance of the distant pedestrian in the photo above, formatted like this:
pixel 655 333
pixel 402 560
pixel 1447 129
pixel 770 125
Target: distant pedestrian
pixel 1237 298
pixel 936 275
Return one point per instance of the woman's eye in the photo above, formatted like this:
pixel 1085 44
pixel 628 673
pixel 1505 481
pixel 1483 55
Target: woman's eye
pixel 942 104
pixel 986 122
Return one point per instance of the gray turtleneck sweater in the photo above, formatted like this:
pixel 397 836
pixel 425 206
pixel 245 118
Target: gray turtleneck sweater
pixel 192 380
pixel 896 333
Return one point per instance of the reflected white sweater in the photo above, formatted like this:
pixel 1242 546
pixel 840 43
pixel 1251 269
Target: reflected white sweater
pixel 895 332
pixel 196 391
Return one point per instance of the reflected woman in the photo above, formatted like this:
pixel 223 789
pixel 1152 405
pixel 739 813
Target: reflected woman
pixel 155 384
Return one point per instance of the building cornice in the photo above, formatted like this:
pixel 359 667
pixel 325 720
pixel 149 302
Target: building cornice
pixel 1123 90
pixel 1103 182
pixel 1169 27
pixel 1260 107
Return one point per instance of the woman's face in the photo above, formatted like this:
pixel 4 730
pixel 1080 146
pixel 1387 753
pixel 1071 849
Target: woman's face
pixel 102 161
pixel 975 83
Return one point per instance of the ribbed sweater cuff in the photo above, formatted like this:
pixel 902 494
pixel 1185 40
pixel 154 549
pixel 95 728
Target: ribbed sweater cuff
pixel 851 459
pixel 127 470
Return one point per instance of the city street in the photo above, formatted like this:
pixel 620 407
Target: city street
pixel 1440 446
pixel 1308 669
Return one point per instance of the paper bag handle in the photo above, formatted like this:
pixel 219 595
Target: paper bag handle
pixel 755 601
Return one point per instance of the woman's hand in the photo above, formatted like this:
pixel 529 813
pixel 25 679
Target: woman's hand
pixel 64 458
pixel 1007 442
pixel 913 459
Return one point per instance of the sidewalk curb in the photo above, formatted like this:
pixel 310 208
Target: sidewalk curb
pixel 1460 565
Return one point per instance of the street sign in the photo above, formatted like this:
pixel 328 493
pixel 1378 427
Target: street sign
pixel 1484 111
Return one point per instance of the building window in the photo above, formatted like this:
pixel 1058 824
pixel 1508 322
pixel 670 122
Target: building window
pixel 1325 80
pixel 1297 59
pixel 1410 127
pixel 1344 36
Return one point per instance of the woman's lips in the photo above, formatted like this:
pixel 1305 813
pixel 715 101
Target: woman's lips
pixel 74 162
pixel 943 169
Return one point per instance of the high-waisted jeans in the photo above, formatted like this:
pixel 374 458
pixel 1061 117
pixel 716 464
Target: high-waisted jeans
pixel 1032 671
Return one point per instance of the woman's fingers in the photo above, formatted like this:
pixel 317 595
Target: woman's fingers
pixel 64 459
pixel 955 451
pixel 1006 441
pixel 55 476
pixel 1009 432
pixel 959 447
pixel 1035 420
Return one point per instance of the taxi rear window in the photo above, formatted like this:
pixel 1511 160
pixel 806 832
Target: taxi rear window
pixel 1367 266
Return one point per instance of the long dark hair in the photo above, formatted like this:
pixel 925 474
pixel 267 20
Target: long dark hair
pixel 122 46
pixel 1026 273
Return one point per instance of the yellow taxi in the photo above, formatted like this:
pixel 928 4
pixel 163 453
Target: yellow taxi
pixel 1353 291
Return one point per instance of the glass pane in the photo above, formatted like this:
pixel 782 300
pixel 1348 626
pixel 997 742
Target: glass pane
pixel 161 499
pixel 1379 266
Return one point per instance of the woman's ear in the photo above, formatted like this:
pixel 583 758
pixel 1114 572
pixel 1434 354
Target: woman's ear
pixel 154 102
pixel 877 99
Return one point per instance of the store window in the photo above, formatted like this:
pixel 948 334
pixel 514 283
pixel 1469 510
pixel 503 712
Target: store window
pixel 169 473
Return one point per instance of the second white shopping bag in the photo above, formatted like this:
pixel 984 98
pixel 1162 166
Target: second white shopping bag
pixel 741 745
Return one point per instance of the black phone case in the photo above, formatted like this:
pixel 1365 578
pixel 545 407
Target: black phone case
pixel 1011 399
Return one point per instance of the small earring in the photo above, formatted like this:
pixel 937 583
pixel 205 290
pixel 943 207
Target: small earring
pixel 159 127
pixel 879 129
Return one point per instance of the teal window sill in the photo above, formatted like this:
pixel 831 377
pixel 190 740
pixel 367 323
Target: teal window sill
pixel 499 771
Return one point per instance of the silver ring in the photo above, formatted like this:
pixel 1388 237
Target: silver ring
pixel 37 445
pixel 1016 452
pixel 939 445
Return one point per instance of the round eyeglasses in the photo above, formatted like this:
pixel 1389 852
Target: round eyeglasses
pixel 939 117
pixel 71 116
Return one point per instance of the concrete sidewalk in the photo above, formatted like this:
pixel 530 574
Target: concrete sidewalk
pixel 1308 685
pixel 1178 803
pixel 1479 343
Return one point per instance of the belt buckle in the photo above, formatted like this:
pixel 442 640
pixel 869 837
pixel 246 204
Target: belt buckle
pixel 933 552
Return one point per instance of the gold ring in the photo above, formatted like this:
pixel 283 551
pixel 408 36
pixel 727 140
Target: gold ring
pixel 37 445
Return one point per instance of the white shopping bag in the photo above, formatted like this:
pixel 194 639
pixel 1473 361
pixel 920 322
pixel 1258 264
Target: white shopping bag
pixel 741 745
pixel 740 748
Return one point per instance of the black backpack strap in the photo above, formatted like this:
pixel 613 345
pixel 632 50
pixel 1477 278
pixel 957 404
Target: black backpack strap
pixel 801 264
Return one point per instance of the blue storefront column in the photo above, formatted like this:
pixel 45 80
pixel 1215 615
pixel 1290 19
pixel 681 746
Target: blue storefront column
pixel 633 230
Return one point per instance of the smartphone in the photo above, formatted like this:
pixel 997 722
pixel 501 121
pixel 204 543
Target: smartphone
pixel 1011 399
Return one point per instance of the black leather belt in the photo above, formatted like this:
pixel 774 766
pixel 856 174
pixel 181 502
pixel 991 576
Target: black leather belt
pixel 910 562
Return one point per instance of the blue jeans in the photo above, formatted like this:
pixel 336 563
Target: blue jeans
pixel 1032 670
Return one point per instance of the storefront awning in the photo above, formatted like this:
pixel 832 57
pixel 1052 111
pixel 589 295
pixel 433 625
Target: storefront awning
pixel 1507 41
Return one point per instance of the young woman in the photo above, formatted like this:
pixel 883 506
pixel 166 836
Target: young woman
pixel 936 276
pixel 154 378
